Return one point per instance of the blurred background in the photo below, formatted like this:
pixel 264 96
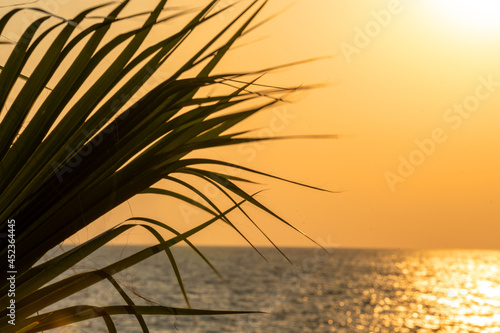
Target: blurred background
pixel 413 90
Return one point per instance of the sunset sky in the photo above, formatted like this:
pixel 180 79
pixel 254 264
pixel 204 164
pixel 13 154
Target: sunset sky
pixel 414 93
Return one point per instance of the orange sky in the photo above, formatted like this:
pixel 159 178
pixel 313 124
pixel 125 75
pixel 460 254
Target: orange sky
pixel 415 94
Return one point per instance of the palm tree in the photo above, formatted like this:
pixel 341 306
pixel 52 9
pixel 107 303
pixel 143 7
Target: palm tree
pixel 72 152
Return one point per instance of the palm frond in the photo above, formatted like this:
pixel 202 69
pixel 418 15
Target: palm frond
pixel 71 152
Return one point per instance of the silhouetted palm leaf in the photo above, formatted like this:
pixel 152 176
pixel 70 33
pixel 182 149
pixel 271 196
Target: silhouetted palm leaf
pixel 73 152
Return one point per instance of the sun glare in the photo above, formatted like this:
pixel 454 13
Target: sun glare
pixel 471 15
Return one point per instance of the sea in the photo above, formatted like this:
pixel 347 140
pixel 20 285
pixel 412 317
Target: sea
pixel 342 290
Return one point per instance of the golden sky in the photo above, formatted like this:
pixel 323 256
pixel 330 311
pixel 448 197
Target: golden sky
pixel 414 94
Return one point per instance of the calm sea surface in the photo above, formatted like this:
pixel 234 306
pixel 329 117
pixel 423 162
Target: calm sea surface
pixel 347 291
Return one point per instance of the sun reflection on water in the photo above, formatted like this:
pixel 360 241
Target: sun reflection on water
pixel 424 291
pixel 460 291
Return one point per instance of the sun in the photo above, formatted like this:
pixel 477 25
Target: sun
pixel 470 15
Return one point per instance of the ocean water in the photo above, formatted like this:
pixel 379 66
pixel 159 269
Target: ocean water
pixel 349 290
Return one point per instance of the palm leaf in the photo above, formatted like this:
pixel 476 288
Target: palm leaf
pixel 75 314
pixel 72 152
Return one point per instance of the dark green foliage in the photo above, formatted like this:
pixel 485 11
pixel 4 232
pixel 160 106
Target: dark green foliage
pixel 73 162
